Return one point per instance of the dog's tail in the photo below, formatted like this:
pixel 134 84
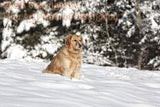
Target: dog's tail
pixel 46 70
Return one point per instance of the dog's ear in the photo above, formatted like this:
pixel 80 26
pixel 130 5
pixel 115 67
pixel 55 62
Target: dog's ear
pixel 68 40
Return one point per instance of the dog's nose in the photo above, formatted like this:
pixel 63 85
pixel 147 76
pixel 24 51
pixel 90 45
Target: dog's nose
pixel 80 45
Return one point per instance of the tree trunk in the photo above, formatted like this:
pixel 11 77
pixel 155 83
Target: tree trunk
pixel 108 35
pixel 138 21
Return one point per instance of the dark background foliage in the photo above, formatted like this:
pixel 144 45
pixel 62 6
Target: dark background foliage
pixel 131 41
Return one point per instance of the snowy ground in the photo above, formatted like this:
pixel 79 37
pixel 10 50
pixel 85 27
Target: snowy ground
pixel 22 84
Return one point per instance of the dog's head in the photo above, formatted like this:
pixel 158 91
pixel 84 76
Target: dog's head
pixel 74 41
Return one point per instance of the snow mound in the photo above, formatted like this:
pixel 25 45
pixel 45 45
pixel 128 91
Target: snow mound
pixel 23 84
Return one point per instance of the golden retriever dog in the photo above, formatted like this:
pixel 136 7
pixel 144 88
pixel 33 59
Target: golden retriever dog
pixel 68 61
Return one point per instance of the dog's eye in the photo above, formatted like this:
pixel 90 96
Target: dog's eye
pixel 75 40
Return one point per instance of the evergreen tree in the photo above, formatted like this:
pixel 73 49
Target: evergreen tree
pixel 124 33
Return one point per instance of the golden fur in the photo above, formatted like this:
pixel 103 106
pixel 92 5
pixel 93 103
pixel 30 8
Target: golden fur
pixel 68 61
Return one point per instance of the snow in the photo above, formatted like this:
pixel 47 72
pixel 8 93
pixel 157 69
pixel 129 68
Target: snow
pixel 155 61
pixel 151 14
pixel 85 38
pixel 22 84
pixel 25 25
pixel 67 15
pixel 7 34
pixel 16 6
pixel 7 22
pixel 16 52
pixel 49 48
pixel 39 18
pixel 158 1
pixel 154 24
pixel 131 31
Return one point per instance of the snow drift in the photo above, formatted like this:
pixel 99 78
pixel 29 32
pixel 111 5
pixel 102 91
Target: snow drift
pixel 22 84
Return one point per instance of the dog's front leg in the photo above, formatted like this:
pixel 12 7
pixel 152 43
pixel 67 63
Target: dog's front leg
pixel 77 74
pixel 69 74
pixel 77 71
